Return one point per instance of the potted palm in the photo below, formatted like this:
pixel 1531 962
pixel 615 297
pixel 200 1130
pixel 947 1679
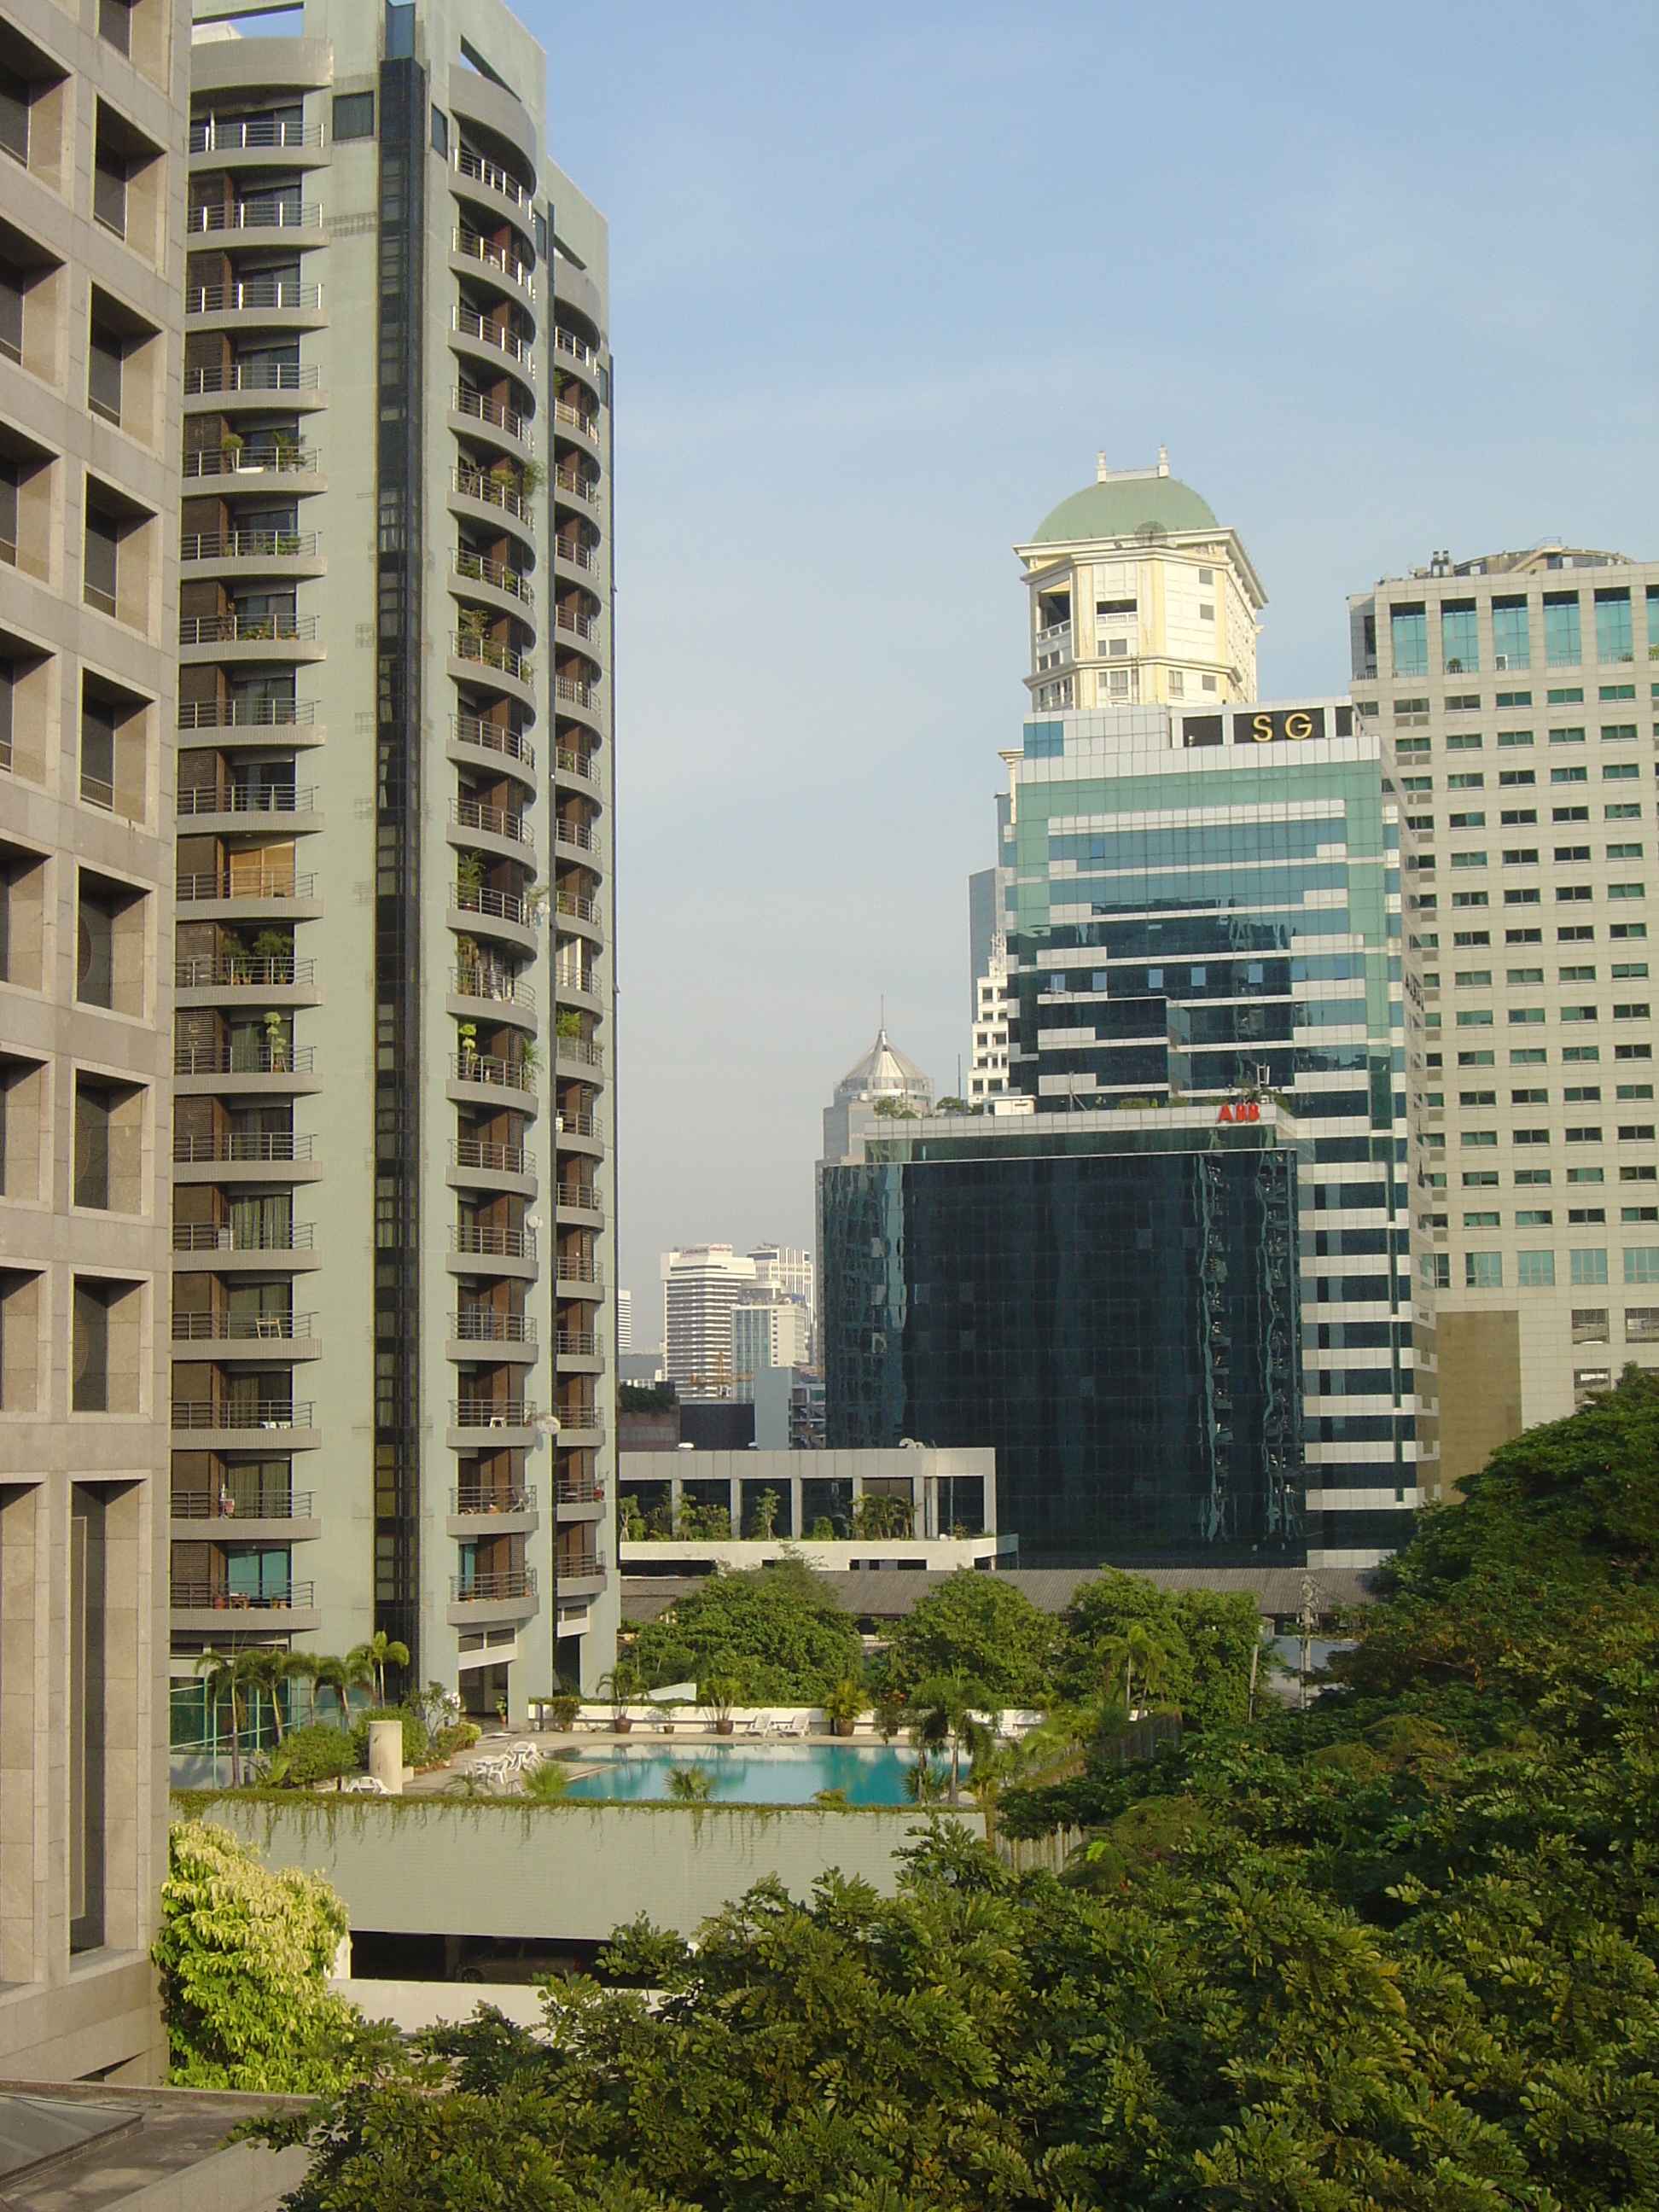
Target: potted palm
pixel 843 1705
pixel 621 1683
pixel 716 1693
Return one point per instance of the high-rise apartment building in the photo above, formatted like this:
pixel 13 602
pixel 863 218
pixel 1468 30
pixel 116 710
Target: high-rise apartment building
pixel 92 156
pixel 391 1146
pixel 1513 692
pixel 769 1328
pixel 624 1321
pixel 702 1283
pixel 987 1075
pixel 1139 596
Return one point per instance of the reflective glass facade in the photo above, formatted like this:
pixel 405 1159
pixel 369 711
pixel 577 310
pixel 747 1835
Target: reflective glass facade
pixel 1115 1309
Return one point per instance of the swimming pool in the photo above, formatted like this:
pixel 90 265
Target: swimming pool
pixel 756 1774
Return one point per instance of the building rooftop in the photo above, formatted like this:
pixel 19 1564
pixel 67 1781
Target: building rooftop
pixel 1127 503
pixel 1547 556
pixel 884 1073
pixel 82 2148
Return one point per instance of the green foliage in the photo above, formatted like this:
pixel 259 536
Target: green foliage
pixel 417 1744
pixel 244 1955
pixel 316 1752
pixel 646 1398
pixel 775 1636
pixel 878 1516
pixel 546 1783
pixel 845 1700
pixel 708 1521
pixel 455 1736
pixel 690 1785
pixel 1205 1640
pixel 977 1625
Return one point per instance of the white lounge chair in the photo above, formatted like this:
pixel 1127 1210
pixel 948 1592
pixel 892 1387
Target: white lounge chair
pixel 794 1725
pixel 757 1724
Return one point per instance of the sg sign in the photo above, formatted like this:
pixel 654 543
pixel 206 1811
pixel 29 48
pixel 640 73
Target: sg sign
pixel 1278 726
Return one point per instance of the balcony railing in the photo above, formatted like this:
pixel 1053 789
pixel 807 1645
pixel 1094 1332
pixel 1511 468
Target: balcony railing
pixel 577 836
pixel 243 884
pixel 581 1051
pixel 578 555
pixel 235 1501
pixel 473 814
pixel 267 459
pixel 246 714
pixel 574 979
pixel 579 765
pixel 483 1325
pixel 493 491
pixel 492 1243
pixel 242 1328
pixel 499 1588
pixel 247 629
pixel 585 626
pixel 482 331
pixel 233 971
pixel 573 419
pixel 575 1198
pixel 583 1274
pixel 242 134
pixel 567 342
pixel 578 1125
pixel 576 486
pixel 475 568
pixel 262 1059
pixel 242 1414
pixel 273 212
pixel 276 295
pixel 264 1237
pixel 579 1343
pixel 247 546
pixel 468 1499
pixel 248 799
pixel 489 653
pixel 579 1490
pixel 580 1567
pixel 482 409
pixel 251 376
pixel 468 242
pixel 587 1418
pixel 578 909
pixel 239 1147
pixel 197 1597
pixel 576 695
pixel 492 1412
pixel 489 1158
pixel 486 1067
pixel 466 163
pixel 502 906
pixel 493 985
pixel 493 738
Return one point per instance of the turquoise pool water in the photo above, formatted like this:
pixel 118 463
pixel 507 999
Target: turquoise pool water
pixel 756 1774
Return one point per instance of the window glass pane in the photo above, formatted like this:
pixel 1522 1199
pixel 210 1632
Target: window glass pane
pixel 1536 1270
pixel 1483 1270
pixel 15 115
pixel 1563 646
pixel 1409 633
pixel 1642 1264
pixel 99 577
pixel 109 193
pixel 104 375
pixel 115 24
pixel 1589 1267
pixel 1613 641
pixel 1460 648
pixel 11 312
pixel 354 115
pixel 1511 646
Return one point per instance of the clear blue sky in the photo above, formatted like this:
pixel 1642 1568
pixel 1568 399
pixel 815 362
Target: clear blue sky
pixel 884 279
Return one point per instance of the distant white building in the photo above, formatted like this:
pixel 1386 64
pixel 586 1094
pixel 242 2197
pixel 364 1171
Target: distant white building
pixel 624 1321
pixel 785 1267
pixel 702 1283
pixel 989 1075
pixel 769 1328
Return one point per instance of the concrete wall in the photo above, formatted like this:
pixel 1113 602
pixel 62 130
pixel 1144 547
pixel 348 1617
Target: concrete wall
pixel 562 1871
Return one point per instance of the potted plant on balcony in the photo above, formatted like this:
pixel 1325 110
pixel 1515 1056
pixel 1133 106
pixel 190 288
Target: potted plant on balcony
pixel 466 1034
pixel 275 1044
pixel 621 1683
pixel 468 879
pixel 230 453
pixel 842 1705
pixel 716 1695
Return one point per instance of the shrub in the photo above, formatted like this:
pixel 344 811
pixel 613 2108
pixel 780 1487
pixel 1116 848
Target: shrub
pixel 416 1742
pixel 314 1753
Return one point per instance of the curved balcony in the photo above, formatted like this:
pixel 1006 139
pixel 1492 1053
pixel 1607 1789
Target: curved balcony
pixel 250 301
pixel 481 1163
pixel 281 982
pixel 238 1070
pixel 575 838
pixel 497 667
pixel 475 743
pixel 583 1279
pixel 472 256
pixel 572 557
pixel 480 1599
pixel 577 1056
pixel 511 1338
pixel 473 1076
pixel 474 335
pixel 487 499
pixel 577 772
pixel 279 554
pixel 581 992
pixel 507 588
pixel 475 1250
pixel 586 627
pixel 476 988
pixel 239 808
pixel 256 1148
pixel 246 1425
pixel 572 698
pixel 502 915
pixel 580 915
pixel 244 1512
pixel 244 469
pixel 579 421
pixel 578 1206
pixel 228 389
pixel 474 826
pixel 253 134
pixel 571 486
pixel 575 352
pixel 581 1427
pixel 576 1133
pixel 478 1510
pixel 238 641
pixel 491 1424
pixel 264 219
pixel 472 177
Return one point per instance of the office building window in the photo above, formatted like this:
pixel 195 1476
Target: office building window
pixel 1613 638
pixel 1641 1263
pixel 1408 632
pixel 1483 1270
pixel 354 115
pixel 1460 646
pixel 1511 645
pixel 1535 1271
pixel 1590 1266
pixel 1563 644
pixel 1435 1268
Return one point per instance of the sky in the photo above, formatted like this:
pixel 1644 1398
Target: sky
pixel 883 281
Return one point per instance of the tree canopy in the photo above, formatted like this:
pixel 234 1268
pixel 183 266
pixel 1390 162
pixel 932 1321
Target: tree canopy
pixel 774 1635
pixel 1400 1952
pixel 1206 1639
pixel 978 1625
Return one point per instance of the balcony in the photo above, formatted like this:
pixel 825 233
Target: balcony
pixel 246 546
pixel 471 247
pixel 209 1237
pixel 203 1605
pixel 574 1198
pixel 268 884
pixel 503 1425
pixel 244 798
pixel 275 457
pixel 465 324
pixel 249 377
pixel 570 692
pixel 574 836
pixel 510 907
pixel 272 212
pixel 474 568
pixel 471 1500
pixel 489 653
pixel 579 1490
pixel 246 629
pixel 483 1325
pixel 251 1333
pixel 477 170
pixel 575 348
pixel 580 1127
pixel 252 134
pixel 470 1239
pixel 473 406
pixel 489 1070
pixel 580 1424
pixel 244 971
pixel 235 1415
pixel 472 731
pixel 241 1501
pixel 480 1156
pixel 575 485
pixel 581 1574
pixel 575 554
pixel 249 294
pixel 577 1343
pixel 263 1058
pixel 575 907
pixel 491 822
pixel 572 418
pixel 241 1147
pixel 477 1600
pixel 584 1277
pixel 578 1054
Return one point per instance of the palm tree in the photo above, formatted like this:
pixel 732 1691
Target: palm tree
pixel 225 1675
pixel 267 1669
pixel 342 1676
pixel 941 1712
pixel 373 1657
pixel 1134 1649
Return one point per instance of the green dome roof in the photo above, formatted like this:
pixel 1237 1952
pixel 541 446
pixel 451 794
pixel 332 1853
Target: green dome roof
pixel 1124 505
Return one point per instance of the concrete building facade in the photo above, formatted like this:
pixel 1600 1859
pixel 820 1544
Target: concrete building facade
pixel 392 1146
pixel 1514 695
pixel 702 1283
pixel 92 218
pixel 769 1328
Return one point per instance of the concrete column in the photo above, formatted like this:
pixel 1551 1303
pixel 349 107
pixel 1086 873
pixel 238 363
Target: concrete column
pixel 796 1507
pixel 385 1746
pixel 675 1487
pixel 736 1504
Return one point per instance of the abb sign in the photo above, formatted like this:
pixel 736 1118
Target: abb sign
pixel 1246 1109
